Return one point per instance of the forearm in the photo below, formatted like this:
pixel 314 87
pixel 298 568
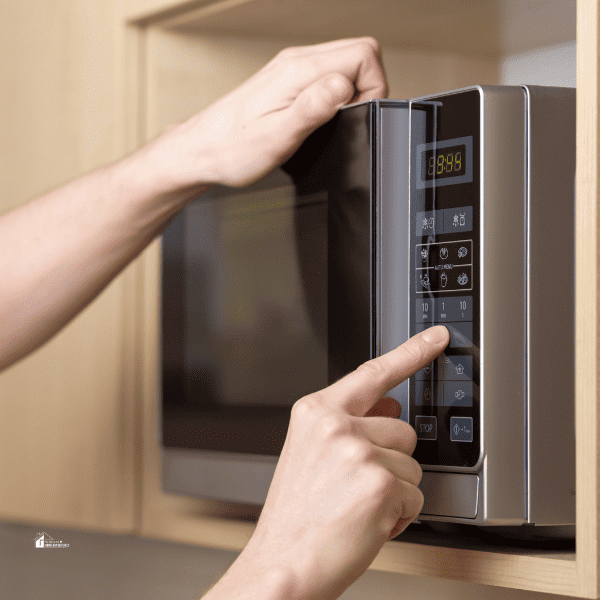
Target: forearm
pixel 60 250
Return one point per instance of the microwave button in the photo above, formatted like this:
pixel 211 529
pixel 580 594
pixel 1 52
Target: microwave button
pixel 461 253
pixel 458 219
pixel 455 368
pixel 461 429
pixel 426 427
pixel 427 280
pixel 426 373
pixel 429 222
pixel 461 335
pixel 458 393
pixel 460 278
pixel 424 310
pixel 459 308
pixel 423 393
pixel 428 393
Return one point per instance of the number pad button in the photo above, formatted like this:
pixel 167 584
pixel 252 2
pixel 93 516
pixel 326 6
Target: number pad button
pixel 459 308
pixel 424 310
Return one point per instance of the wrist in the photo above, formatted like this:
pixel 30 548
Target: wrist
pixel 158 175
pixel 251 579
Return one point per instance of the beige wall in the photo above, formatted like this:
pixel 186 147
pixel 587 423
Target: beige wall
pixel 65 413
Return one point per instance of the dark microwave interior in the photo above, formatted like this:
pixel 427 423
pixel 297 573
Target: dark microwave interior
pixel 266 295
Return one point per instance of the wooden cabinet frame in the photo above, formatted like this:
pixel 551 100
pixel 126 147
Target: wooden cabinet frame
pixel 210 524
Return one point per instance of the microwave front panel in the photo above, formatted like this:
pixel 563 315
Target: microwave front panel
pixel 445 276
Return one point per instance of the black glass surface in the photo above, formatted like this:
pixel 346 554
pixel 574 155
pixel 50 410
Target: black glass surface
pixel 266 294
pixel 444 285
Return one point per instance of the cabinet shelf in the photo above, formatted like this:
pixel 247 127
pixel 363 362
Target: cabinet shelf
pixel 190 53
pixel 488 28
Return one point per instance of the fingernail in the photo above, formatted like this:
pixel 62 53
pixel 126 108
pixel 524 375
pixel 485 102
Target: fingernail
pixel 435 335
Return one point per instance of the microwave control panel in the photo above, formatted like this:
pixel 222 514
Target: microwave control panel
pixel 444 402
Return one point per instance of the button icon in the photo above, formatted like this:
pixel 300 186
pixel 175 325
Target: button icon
pixel 444 253
pixel 424 254
pixel 458 393
pixel 458 219
pixel 424 392
pixel 426 427
pixel 444 279
pixel 425 374
pixel 463 279
pixel 457 367
pixel 429 222
pixel 425 281
pixel 461 429
pixel 462 252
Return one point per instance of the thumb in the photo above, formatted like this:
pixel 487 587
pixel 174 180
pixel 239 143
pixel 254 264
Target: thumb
pixel 319 102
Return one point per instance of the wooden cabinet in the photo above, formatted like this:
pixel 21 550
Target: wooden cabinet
pixel 192 54
pixel 67 411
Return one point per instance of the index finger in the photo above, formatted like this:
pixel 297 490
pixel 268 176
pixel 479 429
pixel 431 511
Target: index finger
pixel 359 391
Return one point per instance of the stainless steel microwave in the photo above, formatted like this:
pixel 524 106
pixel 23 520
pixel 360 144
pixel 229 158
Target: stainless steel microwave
pixel 456 209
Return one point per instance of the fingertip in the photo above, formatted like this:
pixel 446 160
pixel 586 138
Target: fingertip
pixel 436 335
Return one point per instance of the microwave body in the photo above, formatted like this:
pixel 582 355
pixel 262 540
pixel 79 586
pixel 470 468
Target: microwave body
pixel 454 209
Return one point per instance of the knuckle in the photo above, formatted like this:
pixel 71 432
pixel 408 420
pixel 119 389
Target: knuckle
pixel 288 53
pixel 333 425
pixel 357 451
pixel 373 43
pixel 382 482
pixel 306 408
pixel 369 47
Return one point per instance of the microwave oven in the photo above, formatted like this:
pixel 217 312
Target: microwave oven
pixel 454 209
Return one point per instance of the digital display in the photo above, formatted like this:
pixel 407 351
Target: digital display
pixel 442 163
